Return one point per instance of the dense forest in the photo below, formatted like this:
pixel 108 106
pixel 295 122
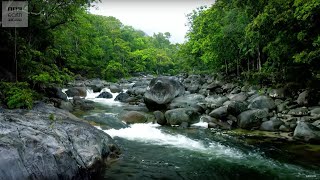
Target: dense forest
pixel 264 41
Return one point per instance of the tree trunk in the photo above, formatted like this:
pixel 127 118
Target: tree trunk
pixel 259 59
pixel 226 64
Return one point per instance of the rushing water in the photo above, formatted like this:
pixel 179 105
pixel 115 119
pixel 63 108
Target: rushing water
pixel 150 151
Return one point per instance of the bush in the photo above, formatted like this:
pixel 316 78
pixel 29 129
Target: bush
pixel 17 95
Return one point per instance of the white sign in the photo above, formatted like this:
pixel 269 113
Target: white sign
pixel 14 13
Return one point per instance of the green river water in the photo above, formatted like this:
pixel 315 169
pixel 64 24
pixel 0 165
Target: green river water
pixel 150 151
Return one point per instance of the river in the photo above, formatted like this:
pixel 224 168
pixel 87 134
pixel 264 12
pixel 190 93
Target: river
pixel 151 151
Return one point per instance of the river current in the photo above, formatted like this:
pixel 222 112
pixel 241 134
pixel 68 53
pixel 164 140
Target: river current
pixel 151 151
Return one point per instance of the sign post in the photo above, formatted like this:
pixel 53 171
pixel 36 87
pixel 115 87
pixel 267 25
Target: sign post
pixel 15 14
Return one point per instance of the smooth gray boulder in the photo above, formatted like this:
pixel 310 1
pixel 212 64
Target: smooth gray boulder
pixel 262 102
pixel 114 88
pixel 159 116
pixel 122 97
pixel 77 91
pixel 271 125
pixel 105 95
pixel 132 117
pixel 56 92
pixel 190 100
pixel 237 107
pixel 180 115
pixel 50 143
pixel 219 113
pixel 162 91
pixel 307 132
pixel 251 118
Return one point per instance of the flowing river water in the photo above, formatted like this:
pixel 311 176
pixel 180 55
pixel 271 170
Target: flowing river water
pixel 151 151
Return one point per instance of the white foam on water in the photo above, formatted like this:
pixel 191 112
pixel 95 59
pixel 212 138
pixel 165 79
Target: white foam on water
pixel 93 97
pixel 200 124
pixel 149 133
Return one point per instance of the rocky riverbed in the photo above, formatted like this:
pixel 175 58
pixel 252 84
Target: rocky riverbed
pixel 183 100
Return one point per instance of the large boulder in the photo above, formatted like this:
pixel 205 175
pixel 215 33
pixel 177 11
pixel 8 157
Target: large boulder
pixel 251 118
pixel 122 97
pixel 106 120
pixel 238 97
pixel 162 91
pixel 159 116
pixel 219 113
pixel 50 143
pixel 237 107
pixel 115 88
pixel 105 95
pixel 132 117
pixel 82 104
pixel 77 91
pixel 180 115
pixel 271 125
pixel 56 92
pixel 96 84
pixel 190 100
pixel 307 132
pixel 216 101
pixel 308 98
pixel 262 102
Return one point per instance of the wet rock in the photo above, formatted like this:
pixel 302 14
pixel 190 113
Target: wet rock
pixel 162 91
pixel 284 128
pixel 277 93
pixel 107 120
pixel 308 98
pixel 316 123
pixel 115 88
pixel 56 92
pixel 262 102
pixel 307 132
pixel 216 101
pixel 96 84
pixel 132 117
pixel 105 95
pixel 228 87
pixel 185 101
pixel 315 111
pixel 236 107
pixel 159 116
pixel 50 143
pixel 238 97
pixel 177 116
pixel 283 106
pixel 251 118
pixel 219 113
pixel 271 125
pixel 66 105
pixel 77 91
pixel 298 112
pixel 82 104
pixel 122 97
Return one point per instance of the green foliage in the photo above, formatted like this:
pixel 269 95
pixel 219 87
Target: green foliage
pixel 113 71
pixel 262 40
pixel 52 117
pixel 17 95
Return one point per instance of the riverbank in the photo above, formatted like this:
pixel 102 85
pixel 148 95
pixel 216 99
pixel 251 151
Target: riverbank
pixel 50 143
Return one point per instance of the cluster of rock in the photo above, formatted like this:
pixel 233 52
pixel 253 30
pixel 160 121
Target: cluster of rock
pixel 185 100
pixel 50 143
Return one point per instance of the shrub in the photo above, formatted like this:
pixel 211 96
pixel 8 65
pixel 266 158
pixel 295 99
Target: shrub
pixel 17 95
